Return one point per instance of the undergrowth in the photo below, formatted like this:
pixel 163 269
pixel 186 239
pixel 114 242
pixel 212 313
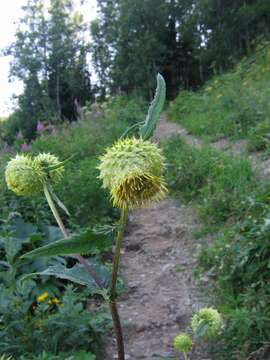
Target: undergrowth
pixel 215 182
pixel 224 191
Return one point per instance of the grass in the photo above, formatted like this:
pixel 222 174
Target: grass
pixel 234 206
pixel 214 182
pixel 235 104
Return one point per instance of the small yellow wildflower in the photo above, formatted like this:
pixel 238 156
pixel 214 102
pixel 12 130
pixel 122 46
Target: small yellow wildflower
pixel 53 301
pixel 42 297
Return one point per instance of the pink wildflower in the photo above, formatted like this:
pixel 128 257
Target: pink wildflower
pixel 40 127
pixel 24 147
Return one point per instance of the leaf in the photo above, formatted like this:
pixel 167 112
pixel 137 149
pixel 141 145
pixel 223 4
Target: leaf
pixel 76 274
pixel 75 244
pixel 202 328
pixel 57 200
pixel 155 109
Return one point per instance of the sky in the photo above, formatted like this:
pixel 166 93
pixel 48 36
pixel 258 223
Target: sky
pixel 10 12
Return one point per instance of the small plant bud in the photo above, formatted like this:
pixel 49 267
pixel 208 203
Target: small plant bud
pixel 206 323
pixel 23 176
pixel 132 170
pixel 182 343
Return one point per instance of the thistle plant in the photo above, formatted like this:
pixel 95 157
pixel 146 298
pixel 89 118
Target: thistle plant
pixel 132 170
pixel 206 324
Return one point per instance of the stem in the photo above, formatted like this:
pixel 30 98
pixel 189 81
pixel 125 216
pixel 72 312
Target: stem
pixel 117 330
pixel 117 253
pixel 192 351
pixel 113 304
pixel 59 221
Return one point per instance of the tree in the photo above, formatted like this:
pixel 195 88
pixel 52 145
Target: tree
pixel 50 57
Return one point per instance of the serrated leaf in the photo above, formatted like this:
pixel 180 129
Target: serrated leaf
pixel 76 274
pixel 82 243
pixel 154 111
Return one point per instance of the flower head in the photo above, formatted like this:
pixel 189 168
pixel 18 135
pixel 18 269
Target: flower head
pixel 132 170
pixel 208 322
pixel 23 176
pixel 182 343
pixel 26 175
pixel 50 166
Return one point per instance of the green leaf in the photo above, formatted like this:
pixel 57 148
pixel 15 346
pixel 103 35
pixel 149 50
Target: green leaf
pixel 155 109
pixel 57 200
pixel 202 328
pixel 83 243
pixel 76 274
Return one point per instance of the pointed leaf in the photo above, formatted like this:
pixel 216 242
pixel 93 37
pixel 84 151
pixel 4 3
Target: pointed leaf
pixel 57 200
pixel 75 244
pixel 155 109
pixel 76 274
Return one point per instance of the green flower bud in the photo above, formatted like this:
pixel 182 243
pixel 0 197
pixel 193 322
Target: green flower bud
pixel 132 170
pixel 50 166
pixel 206 323
pixel 23 176
pixel 182 343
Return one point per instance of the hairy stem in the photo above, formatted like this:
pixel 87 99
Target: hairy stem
pixel 59 221
pixel 113 304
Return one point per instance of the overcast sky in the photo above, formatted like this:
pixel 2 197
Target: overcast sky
pixel 10 12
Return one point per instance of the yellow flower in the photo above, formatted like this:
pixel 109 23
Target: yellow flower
pixel 53 301
pixel 132 170
pixel 42 297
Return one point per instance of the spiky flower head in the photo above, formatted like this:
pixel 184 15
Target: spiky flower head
pixel 26 176
pixel 132 170
pixel 50 166
pixel 182 343
pixel 206 323
pixel 23 176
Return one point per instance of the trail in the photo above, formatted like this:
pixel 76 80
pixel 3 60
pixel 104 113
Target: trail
pixel 259 163
pixel 158 257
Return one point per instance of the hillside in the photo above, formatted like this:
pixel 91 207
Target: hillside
pixel 234 104
pixel 222 166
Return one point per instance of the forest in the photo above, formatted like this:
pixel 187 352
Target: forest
pixel 135 182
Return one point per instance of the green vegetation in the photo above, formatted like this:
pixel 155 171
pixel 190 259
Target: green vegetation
pixel 216 183
pixel 234 104
pixel 192 44
pixel 228 198
pixel 83 142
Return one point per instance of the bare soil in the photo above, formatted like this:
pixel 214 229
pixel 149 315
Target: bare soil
pixel 157 263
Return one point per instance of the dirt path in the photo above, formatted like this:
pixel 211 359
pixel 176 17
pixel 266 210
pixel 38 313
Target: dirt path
pixel 260 164
pixel 157 261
